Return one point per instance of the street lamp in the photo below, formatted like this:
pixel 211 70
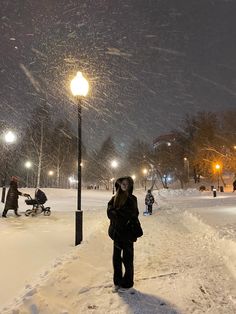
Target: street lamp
pixel 114 165
pixel 79 88
pixel 9 138
pixel 72 181
pixel 133 176
pixel 218 167
pixel 50 174
pixel 145 171
pixel 28 165
pixel 186 165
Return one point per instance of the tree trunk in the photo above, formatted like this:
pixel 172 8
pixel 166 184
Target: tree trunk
pixel 58 173
pixel 58 167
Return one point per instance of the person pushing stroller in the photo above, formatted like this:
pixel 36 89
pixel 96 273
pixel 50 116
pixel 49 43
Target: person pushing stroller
pixel 149 200
pixel 12 197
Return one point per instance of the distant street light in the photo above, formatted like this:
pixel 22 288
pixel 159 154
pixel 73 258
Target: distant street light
pixel 50 181
pixel 145 172
pixel 218 168
pixel 28 165
pixel 79 88
pixel 72 181
pixel 9 138
pixel 114 165
pixel 186 165
pixel 133 176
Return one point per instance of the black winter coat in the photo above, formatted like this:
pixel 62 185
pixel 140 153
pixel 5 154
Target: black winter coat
pixel 120 219
pixel 12 196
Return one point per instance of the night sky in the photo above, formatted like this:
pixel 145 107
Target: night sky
pixel 149 62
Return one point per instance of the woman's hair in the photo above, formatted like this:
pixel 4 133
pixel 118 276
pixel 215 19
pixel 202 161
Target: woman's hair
pixel 120 197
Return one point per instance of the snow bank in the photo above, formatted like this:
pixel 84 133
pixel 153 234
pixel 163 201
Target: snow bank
pixel 225 246
pixel 182 265
pixel 170 193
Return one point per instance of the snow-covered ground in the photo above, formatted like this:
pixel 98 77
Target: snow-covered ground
pixel 184 263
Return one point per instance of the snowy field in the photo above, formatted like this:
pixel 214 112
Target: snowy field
pixel 184 263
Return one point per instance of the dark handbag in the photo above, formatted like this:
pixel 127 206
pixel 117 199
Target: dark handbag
pixel 135 228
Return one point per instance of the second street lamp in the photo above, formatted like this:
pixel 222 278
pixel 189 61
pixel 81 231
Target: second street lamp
pixel 218 167
pixel 145 172
pixel 79 88
pixel 9 138
pixel 28 165
pixel 186 166
pixel 114 165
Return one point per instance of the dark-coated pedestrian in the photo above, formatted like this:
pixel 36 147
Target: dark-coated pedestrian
pixel 123 211
pixel 234 185
pixel 12 197
pixel 149 200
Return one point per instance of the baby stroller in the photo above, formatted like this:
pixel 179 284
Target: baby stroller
pixel 37 202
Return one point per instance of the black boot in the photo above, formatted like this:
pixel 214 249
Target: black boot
pixel 16 213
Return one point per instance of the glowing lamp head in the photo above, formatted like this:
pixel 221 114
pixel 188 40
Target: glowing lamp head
pixel 10 137
pixel 79 85
pixel 217 166
pixel 28 164
pixel 50 173
pixel 114 164
pixel 145 171
pixel 133 176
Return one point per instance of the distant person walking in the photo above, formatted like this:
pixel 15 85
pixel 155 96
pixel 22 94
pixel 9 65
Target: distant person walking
pixel 12 198
pixel 122 211
pixel 149 200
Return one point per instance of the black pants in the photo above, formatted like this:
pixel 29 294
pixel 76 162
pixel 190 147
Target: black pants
pixel 4 213
pixel 123 252
pixel 150 209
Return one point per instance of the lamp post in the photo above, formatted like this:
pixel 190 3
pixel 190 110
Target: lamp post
pixel 9 138
pixel 218 167
pixel 79 88
pixel 186 165
pixel 114 165
pixel 145 171
pixel 50 174
pixel 28 165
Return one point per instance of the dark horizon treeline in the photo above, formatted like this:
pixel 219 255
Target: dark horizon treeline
pixel 202 140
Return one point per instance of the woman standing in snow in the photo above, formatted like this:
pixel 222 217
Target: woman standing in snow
pixel 12 198
pixel 122 210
